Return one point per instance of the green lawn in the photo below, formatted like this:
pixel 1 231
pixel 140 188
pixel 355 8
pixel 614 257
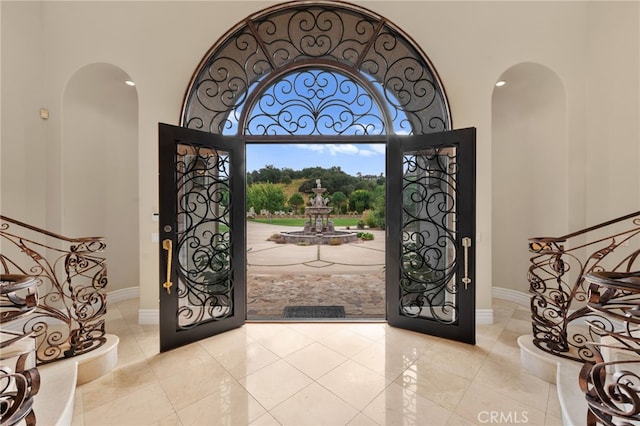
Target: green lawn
pixel 299 222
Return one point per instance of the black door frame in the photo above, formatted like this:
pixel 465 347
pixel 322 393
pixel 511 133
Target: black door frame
pixel 171 334
pixel 464 330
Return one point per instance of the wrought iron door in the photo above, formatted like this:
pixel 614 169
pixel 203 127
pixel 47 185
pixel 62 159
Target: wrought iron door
pixel 431 226
pixel 202 232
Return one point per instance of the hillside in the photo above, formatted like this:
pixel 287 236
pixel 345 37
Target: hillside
pixel 291 188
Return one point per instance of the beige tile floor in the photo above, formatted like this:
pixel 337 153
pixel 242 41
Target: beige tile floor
pixel 318 374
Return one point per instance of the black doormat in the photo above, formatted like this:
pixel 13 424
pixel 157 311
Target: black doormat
pixel 313 312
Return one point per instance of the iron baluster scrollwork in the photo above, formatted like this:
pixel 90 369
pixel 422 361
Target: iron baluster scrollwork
pixel 557 285
pixel 611 382
pixel 232 80
pixel 205 283
pixel 69 318
pixel 19 377
pixel 428 266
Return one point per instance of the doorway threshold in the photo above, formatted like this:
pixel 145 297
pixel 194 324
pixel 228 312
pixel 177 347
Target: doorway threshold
pixel 316 320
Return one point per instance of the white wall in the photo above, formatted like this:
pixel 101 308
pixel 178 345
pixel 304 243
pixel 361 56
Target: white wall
pixel 613 111
pixel 159 44
pixel 100 166
pixel 530 178
pixel 23 147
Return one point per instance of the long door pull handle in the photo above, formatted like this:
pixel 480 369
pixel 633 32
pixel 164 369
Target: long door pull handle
pixel 168 246
pixel 466 243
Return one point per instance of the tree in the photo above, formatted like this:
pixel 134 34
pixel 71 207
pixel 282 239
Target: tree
pixel 333 179
pixel 276 198
pixel 269 173
pixel 255 197
pixel 338 199
pixel 378 207
pixel 296 201
pixel 266 196
pixel 359 200
pixel 378 198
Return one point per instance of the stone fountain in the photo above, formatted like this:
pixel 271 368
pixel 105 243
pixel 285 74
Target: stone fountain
pixel 319 229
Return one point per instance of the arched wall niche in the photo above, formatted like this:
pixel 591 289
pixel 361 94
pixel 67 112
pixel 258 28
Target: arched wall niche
pixel 322 34
pixel 530 177
pixel 100 166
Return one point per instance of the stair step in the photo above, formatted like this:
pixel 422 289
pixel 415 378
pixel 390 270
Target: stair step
pixel 559 371
pixel 53 404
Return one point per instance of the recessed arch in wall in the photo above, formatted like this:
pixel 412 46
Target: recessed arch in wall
pixel 529 168
pixel 100 166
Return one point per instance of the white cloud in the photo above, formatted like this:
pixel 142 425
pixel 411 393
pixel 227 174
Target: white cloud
pixel 311 146
pixel 343 149
pixel 348 149
pixel 378 148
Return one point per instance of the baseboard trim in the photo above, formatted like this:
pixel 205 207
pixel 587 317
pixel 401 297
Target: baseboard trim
pixel 152 316
pixel 511 295
pixel 484 316
pixel 121 295
pixel 148 316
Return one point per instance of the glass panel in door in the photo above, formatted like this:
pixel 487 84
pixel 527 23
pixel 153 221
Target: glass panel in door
pixel 202 229
pixel 431 203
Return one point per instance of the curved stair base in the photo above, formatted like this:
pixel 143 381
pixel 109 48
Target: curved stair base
pixel 559 371
pixel 53 405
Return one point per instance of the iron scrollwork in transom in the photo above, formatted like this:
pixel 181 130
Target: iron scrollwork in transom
pixel 315 102
pixel 334 37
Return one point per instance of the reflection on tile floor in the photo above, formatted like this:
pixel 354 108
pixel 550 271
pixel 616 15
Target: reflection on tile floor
pixel 318 374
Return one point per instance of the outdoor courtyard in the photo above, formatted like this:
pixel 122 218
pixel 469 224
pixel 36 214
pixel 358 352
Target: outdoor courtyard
pixel 280 275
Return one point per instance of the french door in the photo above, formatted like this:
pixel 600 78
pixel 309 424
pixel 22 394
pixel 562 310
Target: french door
pixel 430 228
pixel 202 234
pixel 430 267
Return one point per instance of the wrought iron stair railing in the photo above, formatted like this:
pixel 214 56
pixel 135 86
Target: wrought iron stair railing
pixel 19 377
pixel 71 275
pixel 611 383
pixel 559 313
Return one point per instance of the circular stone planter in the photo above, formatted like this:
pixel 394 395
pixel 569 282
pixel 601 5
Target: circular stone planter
pixel 331 238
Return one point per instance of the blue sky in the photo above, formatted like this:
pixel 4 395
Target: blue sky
pixel 367 159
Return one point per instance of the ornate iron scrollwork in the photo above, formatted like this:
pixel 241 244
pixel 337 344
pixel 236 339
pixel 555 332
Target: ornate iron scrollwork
pixel 330 36
pixel 611 382
pixel 19 377
pixel 558 290
pixel 315 102
pixel 205 282
pixel 69 318
pixel 427 285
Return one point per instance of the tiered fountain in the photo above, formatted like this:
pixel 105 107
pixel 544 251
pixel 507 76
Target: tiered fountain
pixel 319 229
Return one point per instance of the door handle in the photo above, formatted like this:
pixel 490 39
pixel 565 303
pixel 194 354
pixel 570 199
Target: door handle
pixel 466 243
pixel 168 246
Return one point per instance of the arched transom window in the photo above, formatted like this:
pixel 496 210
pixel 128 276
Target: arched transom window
pixel 324 68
